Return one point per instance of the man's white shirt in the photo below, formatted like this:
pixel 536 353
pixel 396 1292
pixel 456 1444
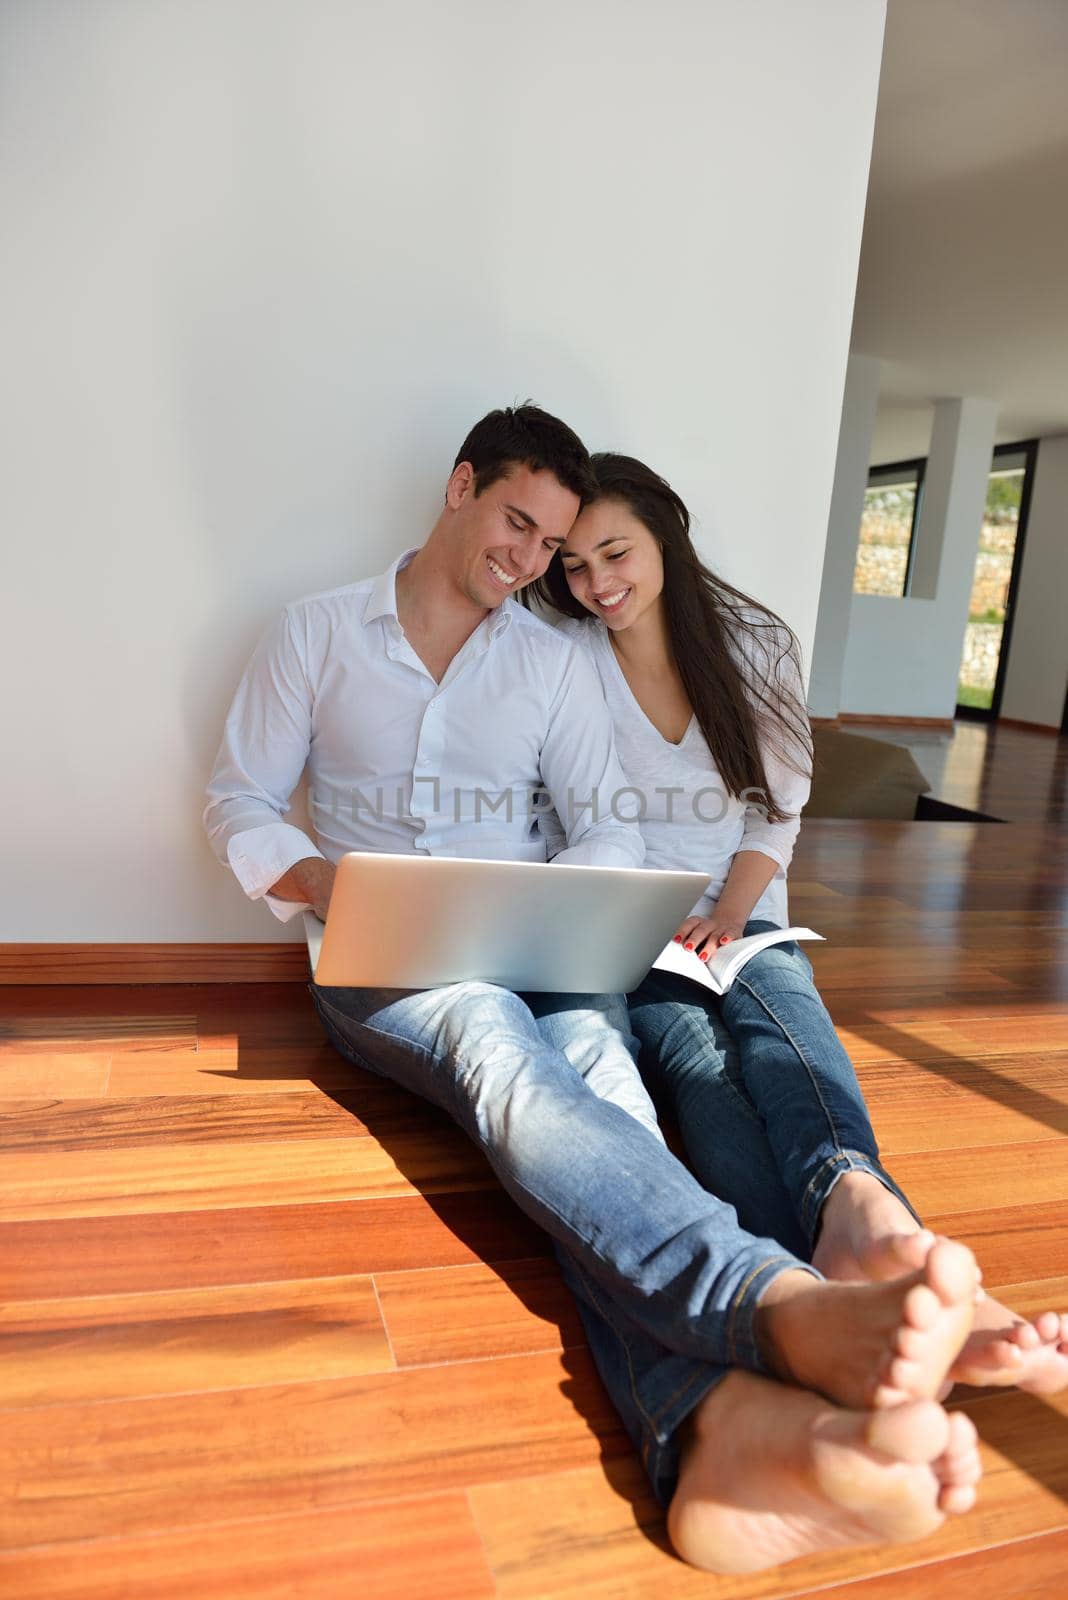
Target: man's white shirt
pixel 398 762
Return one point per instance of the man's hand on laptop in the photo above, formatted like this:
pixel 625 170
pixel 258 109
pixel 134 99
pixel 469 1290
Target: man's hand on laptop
pixel 311 880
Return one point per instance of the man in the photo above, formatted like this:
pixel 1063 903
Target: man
pixel 411 697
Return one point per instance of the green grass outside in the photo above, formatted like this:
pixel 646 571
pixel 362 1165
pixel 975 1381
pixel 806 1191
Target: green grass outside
pixel 980 699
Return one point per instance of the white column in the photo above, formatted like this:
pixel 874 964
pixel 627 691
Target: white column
pixel 954 494
pixel 1038 653
pixel 859 404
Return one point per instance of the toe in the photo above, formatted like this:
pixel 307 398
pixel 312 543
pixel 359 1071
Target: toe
pixel 907 1376
pixel 963 1435
pixel 921 1307
pixel 951 1271
pixel 916 1431
pixel 910 1343
pixel 1002 1353
pixel 956 1501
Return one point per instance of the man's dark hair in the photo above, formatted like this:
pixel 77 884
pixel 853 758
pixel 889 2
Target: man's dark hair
pixel 526 436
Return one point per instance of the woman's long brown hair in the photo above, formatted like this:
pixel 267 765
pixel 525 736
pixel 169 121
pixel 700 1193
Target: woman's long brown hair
pixel 728 649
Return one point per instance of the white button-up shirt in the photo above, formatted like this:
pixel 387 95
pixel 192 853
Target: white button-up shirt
pixel 398 762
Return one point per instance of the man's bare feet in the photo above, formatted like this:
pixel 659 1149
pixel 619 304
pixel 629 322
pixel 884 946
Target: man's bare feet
pixel 871 1344
pixel 771 1473
pixel 867 1234
pixel 1008 1350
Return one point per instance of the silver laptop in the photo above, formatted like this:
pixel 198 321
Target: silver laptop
pixel 416 922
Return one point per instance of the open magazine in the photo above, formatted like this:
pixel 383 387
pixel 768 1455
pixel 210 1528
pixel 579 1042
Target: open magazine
pixel 720 970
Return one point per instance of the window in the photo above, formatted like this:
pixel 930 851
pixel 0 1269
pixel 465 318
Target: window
pixel 994 581
pixel 891 508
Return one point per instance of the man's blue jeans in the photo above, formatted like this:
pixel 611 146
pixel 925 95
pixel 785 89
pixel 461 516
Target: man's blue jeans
pixel 546 1085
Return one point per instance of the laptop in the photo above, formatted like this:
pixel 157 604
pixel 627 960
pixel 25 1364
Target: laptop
pixel 416 922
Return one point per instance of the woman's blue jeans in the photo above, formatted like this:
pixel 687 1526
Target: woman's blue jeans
pixel 546 1085
pixel 766 1099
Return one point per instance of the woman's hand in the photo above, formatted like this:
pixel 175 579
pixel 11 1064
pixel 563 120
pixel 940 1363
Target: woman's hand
pixel 704 935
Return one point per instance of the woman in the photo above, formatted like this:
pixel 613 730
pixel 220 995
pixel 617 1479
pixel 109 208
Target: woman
pixel 705 690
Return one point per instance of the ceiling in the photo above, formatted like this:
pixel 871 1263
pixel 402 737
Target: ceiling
pixel 963 284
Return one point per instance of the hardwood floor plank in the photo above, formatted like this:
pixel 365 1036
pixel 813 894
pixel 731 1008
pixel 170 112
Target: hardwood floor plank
pixel 892 1004
pixel 114 1000
pixel 135 1466
pixel 88 1183
pixel 1027 1569
pixel 135 1254
pixel 958 1040
pixel 61 1033
pixel 1012 1243
pixel 27 965
pixel 424 1549
pixel 1030 1296
pixel 233 1069
pixel 1001 1100
pixel 28 1075
pixel 953 1181
pixel 464 1313
pixel 896 1044
pixel 994 1035
pixel 127 1346
pixel 596 1533
pixel 121 1123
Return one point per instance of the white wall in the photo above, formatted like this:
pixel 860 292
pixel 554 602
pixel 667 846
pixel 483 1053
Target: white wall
pixel 265 262
pixel 1037 673
pixel 903 655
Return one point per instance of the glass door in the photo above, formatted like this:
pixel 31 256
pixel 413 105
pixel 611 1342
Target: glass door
pixel 997 567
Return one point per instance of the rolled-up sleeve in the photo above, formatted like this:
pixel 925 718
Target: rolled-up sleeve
pixel 582 774
pixel 261 757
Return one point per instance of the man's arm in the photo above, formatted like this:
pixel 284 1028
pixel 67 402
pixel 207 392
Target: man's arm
pixel 264 748
pixel 580 770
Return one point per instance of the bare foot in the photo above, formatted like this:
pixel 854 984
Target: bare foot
pixel 1006 1349
pixel 771 1473
pixel 871 1344
pixel 866 1233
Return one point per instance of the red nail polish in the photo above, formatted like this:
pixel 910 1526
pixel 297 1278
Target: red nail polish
pixel 678 938
pixel 687 947
pixel 703 956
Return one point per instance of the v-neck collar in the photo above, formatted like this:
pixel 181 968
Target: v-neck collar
pixel 672 744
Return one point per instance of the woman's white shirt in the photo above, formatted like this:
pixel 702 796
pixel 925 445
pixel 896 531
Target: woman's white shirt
pixel 687 818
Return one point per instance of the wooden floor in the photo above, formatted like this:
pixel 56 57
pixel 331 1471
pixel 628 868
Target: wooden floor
pixel 270 1330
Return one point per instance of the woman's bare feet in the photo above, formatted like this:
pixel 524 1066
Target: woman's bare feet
pixel 1008 1350
pixel 871 1344
pixel 867 1233
pixel 771 1473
